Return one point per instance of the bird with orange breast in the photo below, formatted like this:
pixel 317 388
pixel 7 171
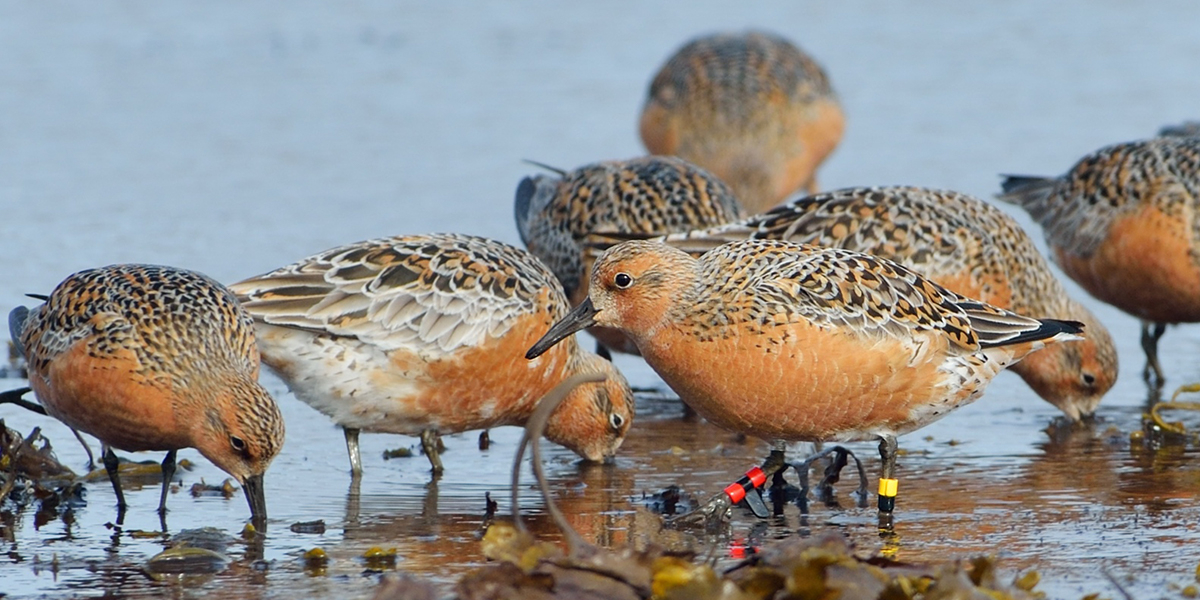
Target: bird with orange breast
pixel 154 358
pixel 1124 223
pixel 650 195
pixel 425 334
pixel 960 242
pixel 790 342
pixel 752 108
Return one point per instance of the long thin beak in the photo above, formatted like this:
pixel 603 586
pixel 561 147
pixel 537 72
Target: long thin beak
pixel 253 487
pixel 580 317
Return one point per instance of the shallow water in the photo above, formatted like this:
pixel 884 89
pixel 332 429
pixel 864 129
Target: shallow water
pixel 233 138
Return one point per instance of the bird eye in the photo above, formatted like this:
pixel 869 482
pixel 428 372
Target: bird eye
pixel 616 421
pixel 623 280
pixel 1089 379
pixel 238 443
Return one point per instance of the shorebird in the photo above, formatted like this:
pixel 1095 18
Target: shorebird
pixel 790 342
pixel 964 244
pixel 1122 223
pixel 425 334
pixel 752 108
pixel 653 195
pixel 154 358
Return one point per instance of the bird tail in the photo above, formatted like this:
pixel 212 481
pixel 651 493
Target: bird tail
pixel 16 324
pixel 1048 331
pixel 1026 190
pixel 533 194
pixel 1012 348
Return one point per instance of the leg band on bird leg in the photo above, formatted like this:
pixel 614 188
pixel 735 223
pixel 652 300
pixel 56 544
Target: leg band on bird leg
pixel 887 494
pixel 746 489
pixel 714 509
pixel 754 478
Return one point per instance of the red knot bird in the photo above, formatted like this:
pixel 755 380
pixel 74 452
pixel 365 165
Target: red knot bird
pixel 154 358
pixel 790 342
pixel 1122 224
pixel 752 108
pixel 425 334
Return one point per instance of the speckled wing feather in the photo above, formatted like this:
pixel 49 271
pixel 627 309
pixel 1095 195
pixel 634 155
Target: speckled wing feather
pixel 1077 209
pixel 118 308
pixel 725 70
pixel 938 233
pixel 904 222
pixel 858 291
pixel 435 293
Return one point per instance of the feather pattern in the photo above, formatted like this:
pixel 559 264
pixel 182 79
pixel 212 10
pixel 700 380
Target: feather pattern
pixel 1078 209
pixel 433 294
pixel 844 289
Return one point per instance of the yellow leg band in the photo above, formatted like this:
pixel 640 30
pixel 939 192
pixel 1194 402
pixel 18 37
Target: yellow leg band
pixel 888 487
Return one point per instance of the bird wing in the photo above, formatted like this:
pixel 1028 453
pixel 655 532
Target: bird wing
pixel 865 293
pixel 434 293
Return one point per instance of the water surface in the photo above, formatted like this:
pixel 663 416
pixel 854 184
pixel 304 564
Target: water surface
pixel 233 138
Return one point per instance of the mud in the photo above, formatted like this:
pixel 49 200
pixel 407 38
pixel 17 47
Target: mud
pixel 235 139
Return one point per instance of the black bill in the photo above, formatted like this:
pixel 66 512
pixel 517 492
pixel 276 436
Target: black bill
pixel 581 317
pixel 256 496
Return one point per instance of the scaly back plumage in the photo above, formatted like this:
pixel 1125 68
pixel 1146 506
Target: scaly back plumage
pixel 937 233
pixel 428 293
pixel 837 288
pixel 1076 210
pixel 122 307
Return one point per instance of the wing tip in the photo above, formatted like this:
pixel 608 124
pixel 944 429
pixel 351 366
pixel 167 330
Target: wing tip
pixel 1057 329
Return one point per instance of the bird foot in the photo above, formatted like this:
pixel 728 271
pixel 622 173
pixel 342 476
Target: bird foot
pixel 746 491
pixel 715 511
pixel 833 473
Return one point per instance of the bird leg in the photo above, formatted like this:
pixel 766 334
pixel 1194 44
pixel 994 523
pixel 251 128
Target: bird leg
pixel 888 484
pixel 429 443
pixel 86 448
pixel 14 397
pixel 111 464
pixel 1152 372
pixel 168 472
pixel 352 449
pixel 833 473
pixel 746 488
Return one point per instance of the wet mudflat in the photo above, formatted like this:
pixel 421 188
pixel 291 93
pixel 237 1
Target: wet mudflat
pixel 1069 504
pixel 237 139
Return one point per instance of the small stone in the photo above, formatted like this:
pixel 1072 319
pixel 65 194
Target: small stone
pixel 397 453
pixel 311 527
